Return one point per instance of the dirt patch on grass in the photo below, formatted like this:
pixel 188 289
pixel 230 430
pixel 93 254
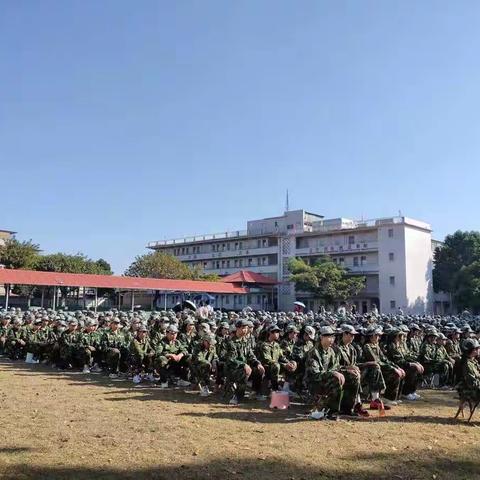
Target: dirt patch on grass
pixel 59 425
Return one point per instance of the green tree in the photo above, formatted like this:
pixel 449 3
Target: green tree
pixel 460 249
pixel 325 279
pixel 467 287
pixel 78 263
pixel 158 265
pixel 22 255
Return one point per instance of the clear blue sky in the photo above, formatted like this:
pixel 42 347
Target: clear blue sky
pixel 123 122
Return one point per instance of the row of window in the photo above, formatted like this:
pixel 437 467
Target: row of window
pixel 219 247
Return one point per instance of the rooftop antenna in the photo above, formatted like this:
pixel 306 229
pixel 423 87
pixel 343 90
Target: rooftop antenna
pixel 287 206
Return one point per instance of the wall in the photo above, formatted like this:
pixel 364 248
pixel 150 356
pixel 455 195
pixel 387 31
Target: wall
pixel 419 260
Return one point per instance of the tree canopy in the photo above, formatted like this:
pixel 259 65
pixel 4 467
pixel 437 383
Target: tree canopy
pixel 15 254
pixel 79 263
pixel 163 265
pixel 325 279
pixel 460 249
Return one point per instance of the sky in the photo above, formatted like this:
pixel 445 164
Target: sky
pixel 126 122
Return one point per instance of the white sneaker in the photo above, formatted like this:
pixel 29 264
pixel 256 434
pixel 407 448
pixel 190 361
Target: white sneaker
pixel 183 383
pixel 137 379
pixel 150 377
pixel 390 403
pixel 164 385
pixel 86 369
pixel 233 401
pixel 205 392
pixel 96 368
pixel 411 397
pixel 113 375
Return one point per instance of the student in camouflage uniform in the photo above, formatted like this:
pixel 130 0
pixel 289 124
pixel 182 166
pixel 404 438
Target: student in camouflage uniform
pixel 37 340
pixel 204 363
pixel 113 343
pixel 141 352
pixel 379 373
pixel 322 372
pixel 469 384
pixel 222 338
pixel 347 355
pixel 90 341
pixel 433 360
pixel 414 341
pixel 15 346
pixel 4 329
pixel 270 355
pixel 299 356
pixel 398 354
pixel 69 349
pixel 169 359
pixel 240 359
pixel 189 336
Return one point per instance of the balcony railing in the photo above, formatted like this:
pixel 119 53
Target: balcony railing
pixel 198 238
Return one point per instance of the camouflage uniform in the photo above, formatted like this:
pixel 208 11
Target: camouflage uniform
pixel 435 362
pixel 320 366
pixel 239 353
pixel 202 363
pixel 381 376
pixel 113 344
pixel 167 367
pixel 271 356
pixel 401 356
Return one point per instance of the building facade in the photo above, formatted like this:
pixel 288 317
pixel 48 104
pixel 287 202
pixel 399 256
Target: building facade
pixel 394 254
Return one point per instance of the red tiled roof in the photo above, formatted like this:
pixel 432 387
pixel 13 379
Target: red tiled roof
pixel 30 277
pixel 245 276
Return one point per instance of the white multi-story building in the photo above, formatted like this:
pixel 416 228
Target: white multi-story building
pixel 394 254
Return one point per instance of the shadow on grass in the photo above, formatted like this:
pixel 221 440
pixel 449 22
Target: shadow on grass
pixel 369 466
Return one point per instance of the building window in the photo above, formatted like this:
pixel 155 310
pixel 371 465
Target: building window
pixel 264 242
pixel 392 280
pixel 241 245
pixel 258 299
pixel 213 247
pixel 341 260
pixel 390 233
pixel 264 260
pixel 236 246
pixel 227 300
pixel 223 263
pixel 240 263
pixel 228 263
pixel 235 263
pixel 355 261
pixel 259 243
pixel 351 239
pixel 393 304
pixel 391 256
pixel 363 259
pixel 218 265
pixel 249 262
pixel 259 261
